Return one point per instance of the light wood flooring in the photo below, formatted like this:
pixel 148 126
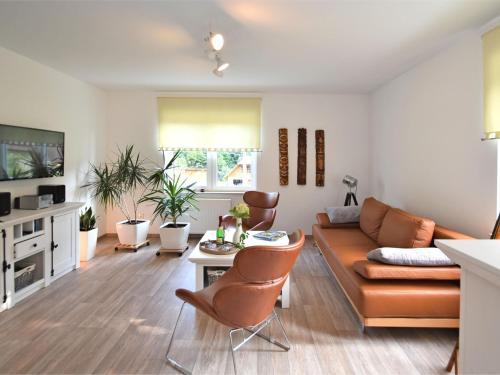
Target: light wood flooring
pixel 116 315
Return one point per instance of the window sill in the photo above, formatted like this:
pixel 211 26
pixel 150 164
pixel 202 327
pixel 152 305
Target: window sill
pixel 214 192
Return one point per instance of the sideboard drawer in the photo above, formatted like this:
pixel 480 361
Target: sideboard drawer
pixel 21 249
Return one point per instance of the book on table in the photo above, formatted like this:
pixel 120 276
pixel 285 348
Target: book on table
pixel 269 235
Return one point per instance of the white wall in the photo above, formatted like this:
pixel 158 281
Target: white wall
pixel 427 154
pixel 347 151
pixel 132 120
pixel 34 95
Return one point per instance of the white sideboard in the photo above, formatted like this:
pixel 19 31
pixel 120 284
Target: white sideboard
pixel 36 248
pixel 479 303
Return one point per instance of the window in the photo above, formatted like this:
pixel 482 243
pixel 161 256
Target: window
pixel 193 165
pixel 234 169
pixel 229 128
pixel 217 170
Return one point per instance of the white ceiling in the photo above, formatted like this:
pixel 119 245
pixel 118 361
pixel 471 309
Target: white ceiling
pixel 317 46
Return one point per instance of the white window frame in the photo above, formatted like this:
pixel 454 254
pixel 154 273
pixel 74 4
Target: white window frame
pixel 212 174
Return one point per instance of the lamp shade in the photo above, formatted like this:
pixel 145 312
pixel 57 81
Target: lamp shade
pixel 491 83
pixel 209 123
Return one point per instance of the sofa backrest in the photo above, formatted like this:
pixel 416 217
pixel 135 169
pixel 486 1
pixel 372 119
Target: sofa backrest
pixel 371 217
pixel 373 214
pixel 393 227
pixel 401 229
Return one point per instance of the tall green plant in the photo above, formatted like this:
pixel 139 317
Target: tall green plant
pixel 172 198
pixel 129 176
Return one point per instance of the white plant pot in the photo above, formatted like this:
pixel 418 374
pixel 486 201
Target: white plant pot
pixel 174 238
pixel 132 234
pixel 88 243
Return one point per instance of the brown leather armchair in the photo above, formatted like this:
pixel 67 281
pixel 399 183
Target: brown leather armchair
pixel 262 211
pixel 243 298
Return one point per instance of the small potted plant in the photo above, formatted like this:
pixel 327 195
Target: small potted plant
pixel 88 235
pixel 172 198
pixel 240 211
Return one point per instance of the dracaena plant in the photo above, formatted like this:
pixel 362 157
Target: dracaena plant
pixel 172 198
pixel 124 182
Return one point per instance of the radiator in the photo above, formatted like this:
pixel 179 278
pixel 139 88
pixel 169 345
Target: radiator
pixel 207 217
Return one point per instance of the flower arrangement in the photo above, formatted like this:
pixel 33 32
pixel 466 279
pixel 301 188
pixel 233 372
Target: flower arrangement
pixel 240 211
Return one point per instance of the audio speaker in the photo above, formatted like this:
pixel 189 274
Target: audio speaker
pixel 58 192
pixel 5 202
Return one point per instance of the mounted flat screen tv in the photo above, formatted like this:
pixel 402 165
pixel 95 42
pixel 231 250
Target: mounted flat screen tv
pixel 30 153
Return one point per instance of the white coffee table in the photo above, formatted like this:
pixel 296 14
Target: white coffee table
pixel 204 260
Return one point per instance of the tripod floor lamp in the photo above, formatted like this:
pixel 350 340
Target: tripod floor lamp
pixel 352 185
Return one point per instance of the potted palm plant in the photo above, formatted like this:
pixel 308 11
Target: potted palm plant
pixel 172 198
pixel 88 235
pixel 122 183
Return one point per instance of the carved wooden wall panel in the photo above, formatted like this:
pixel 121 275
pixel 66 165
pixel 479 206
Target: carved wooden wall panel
pixel 320 158
pixel 283 147
pixel 302 157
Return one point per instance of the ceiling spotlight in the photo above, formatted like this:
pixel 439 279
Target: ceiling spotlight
pixel 221 66
pixel 216 41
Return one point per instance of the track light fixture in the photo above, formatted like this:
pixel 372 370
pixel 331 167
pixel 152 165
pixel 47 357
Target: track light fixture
pixel 221 66
pixel 216 43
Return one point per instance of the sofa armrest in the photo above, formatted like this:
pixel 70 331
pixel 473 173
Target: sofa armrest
pixel 442 233
pixel 324 222
pixel 378 271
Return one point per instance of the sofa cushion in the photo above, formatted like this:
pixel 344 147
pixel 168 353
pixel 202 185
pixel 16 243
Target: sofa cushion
pixel 324 222
pixel 423 256
pixel 401 229
pixel 372 216
pixel 373 270
pixel 343 214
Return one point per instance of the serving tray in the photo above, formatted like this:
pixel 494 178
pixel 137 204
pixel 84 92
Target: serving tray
pixel 211 247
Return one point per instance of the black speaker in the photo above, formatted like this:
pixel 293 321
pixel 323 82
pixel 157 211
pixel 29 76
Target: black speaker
pixel 58 192
pixel 5 202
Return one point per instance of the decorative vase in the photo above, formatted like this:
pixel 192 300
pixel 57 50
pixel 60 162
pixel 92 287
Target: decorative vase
pixel 239 231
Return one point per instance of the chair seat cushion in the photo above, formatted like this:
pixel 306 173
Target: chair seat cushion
pixel 373 270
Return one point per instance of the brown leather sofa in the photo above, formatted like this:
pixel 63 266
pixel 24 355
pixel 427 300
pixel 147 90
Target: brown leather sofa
pixel 387 295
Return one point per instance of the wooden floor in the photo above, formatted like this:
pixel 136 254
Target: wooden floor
pixel 116 315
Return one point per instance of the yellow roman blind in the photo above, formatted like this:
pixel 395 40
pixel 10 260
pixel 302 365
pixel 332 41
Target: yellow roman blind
pixel 209 123
pixel 491 83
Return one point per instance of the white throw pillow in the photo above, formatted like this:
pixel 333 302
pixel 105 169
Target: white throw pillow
pixel 424 256
pixel 344 214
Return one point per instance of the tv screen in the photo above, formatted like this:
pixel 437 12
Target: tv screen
pixel 30 153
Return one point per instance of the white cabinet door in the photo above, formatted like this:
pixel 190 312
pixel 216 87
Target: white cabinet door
pixel 64 254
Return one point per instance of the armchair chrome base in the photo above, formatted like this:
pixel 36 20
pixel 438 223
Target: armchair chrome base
pixel 254 331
